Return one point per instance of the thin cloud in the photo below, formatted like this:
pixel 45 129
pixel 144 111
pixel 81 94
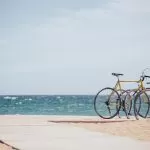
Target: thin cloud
pixel 89 41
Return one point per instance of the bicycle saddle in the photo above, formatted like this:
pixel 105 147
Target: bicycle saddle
pixel 117 74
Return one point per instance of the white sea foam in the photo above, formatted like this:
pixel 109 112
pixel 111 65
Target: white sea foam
pixel 28 99
pixel 80 104
pixel 13 98
pixel 20 103
pixel 9 97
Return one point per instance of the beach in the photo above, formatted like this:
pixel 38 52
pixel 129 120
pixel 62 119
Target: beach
pixel 134 129
pixel 131 128
pixel 66 63
pixel 139 129
pixel 5 147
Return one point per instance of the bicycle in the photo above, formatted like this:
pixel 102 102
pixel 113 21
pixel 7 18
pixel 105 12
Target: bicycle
pixel 141 99
pixel 113 99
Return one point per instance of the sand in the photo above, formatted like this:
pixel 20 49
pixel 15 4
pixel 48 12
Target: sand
pixel 5 147
pixel 138 129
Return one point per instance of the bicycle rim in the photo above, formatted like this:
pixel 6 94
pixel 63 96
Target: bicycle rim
pixel 141 105
pixel 107 103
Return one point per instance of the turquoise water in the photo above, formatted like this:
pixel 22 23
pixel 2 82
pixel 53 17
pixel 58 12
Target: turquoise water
pixel 79 105
pixel 47 105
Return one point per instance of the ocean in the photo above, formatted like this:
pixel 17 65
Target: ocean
pixel 47 105
pixel 76 105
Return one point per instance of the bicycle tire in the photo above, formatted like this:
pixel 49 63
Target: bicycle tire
pixel 139 109
pixel 112 103
pixel 123 96
pixel 131 103
pixel 126 102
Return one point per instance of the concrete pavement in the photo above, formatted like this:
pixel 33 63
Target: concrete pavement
pixel 36 133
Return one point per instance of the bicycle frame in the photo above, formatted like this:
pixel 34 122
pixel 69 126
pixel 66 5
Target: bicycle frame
pixel 118 87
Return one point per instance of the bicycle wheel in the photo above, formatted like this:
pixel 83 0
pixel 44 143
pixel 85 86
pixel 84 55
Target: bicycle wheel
pixel 127 103
pixel 107 103
pixel 124 94
pixel 141 105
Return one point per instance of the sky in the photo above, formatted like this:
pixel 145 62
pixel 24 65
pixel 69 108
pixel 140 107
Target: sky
pixel 71 46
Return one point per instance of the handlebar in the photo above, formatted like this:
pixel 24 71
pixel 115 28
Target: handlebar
pixel 141 79
pixel 145 76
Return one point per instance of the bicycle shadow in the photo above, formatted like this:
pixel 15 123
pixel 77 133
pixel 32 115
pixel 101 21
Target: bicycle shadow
pixel 89 121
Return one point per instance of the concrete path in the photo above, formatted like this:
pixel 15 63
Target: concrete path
pixel 35 133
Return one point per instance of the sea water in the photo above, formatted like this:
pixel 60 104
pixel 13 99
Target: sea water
pixel 47 105
pixel 78 105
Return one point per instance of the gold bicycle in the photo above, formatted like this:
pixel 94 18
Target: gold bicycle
pixel 109 101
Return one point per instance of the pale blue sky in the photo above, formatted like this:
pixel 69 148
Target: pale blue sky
pixel 71 47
